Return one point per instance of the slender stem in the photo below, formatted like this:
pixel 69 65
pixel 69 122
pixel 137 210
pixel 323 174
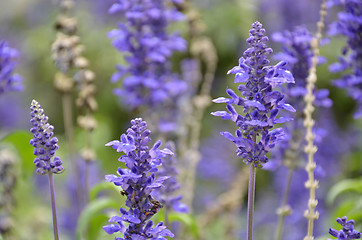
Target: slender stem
pixel 251 199
pixel 194 134
pixel 88 136
pixel 86 181
pixel 285 202
pixel 54 209
pixel 69 133
pixel 311 214
pixel 166 218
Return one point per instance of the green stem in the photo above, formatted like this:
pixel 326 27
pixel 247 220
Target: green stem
pixel 251 200
pixel 69 133
pixel 285 202
pixel 166 218
pixel 86 167
pixel 54 210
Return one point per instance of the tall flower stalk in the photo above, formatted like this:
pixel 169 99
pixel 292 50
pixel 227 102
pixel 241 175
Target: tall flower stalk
pixel 74 70
pixel 149 84
pixel 138 181
pixel 297 49
pixel 261 104
pixel 64 52
pixel 310 148
pixel 202 52
pixel 45 146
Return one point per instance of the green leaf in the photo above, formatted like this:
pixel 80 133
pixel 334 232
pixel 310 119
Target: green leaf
pixel 93 211
pixel 20 140
pixel 348 208
pixel 188 220
pixel 95 227
pixel 93 193
pixel 353 185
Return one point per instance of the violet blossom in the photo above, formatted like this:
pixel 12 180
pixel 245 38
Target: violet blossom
pixel 44 143
pixel 297 50
pixel 138 181
pixel 147 79
pixel 349 24
pixel 348 232
pixel 9 81
pixel 260 102
pixel 45 146
pixel 167 194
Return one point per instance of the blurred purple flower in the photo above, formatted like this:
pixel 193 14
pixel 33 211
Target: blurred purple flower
pixel 260 103
pixel 138 181
pixel 8 80
pixel 13 112
pixel 296 48
pixel 166 195
pixel 281 15
pixel 69 214
pixel 349 24
pixel 148 79
pixel 216 164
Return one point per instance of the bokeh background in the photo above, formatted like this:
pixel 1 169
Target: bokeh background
pixel 28 25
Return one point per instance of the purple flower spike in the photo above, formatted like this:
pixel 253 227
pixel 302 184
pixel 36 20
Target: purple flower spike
pixel 8 80
pixel 296 46
pixel 258 99
pixel 148 79
pixel 348 232
pixel 167 194
pixel 44 143
pixel 349 24
pixel 138 181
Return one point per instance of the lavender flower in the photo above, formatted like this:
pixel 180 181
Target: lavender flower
pixel 44 143
pixel 349 24
pixel 138 181
pixel 45 146
pixel 8 80
pixel 148 79
pixel 166 194
pixel 348 232
pixel 280 14
pixel 260 103
pixel 297 50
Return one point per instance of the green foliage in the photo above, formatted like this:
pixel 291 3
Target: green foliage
pixel 20 141
pixel 343 186
pixel 92 218
pixel 189 222
pixel 96 189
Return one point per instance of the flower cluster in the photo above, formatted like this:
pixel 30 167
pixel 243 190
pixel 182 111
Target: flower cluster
pixel 8 80
pixel 297 50
pixel 44 143
pixel 148 79
pixel 166 194
pixel 138 181
pixel 260 102
pixel 348 232
pixel 349 24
